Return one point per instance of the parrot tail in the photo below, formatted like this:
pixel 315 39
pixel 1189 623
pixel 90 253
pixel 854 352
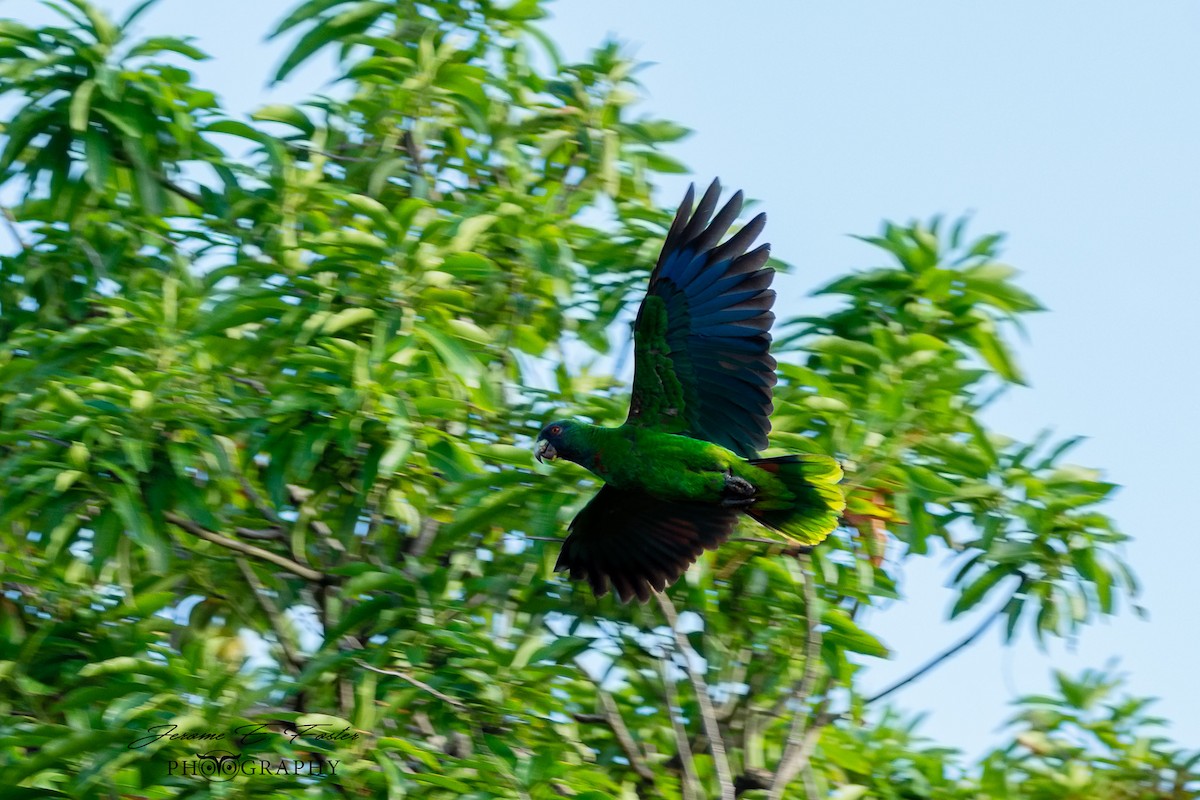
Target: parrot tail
pixel 816 503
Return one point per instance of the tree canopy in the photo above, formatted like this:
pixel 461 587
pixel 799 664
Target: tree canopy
pixel 267 393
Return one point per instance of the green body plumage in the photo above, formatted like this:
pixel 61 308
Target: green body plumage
pixel 678 468
pixel 684 466
pixel 665 465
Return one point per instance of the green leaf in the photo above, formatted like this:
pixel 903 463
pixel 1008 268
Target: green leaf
pixel 469 266
pixel 305 12
pixel 100 25
pixel 118 665
pixel 845 634
pixel 562 649
pixel 99 160
pixel 341 26
pixel 458 360
pixel 974 592
pixel 442 782
pixel 123 123
pixel 27 124
pixel 288 115
pixel 664 164
pixel 66 479
pixel 168 44
pixel 346 318
pixel 1059 450
pixel 858 352
pixel 236 128
pixel 997 355
pixel 470 229
pixel 81 106
pixel 136 12
pixel 524 10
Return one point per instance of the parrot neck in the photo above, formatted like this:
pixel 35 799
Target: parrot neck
pixel 586 443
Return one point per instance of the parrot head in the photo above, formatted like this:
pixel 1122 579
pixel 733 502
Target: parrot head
pixel 560 439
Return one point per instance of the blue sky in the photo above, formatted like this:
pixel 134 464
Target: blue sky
pixel 1072 126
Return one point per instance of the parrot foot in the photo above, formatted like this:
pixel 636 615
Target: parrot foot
pixel 738 491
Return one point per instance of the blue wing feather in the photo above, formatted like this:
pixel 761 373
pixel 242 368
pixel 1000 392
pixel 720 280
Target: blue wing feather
pixel 717 302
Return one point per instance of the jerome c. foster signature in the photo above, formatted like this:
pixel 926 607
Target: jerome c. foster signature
pixel 245 735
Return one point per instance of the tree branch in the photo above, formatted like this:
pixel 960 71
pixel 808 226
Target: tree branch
pixel 425 687
pixel 612 715
pixel 940 657
pixel 425 536
pixel 10 221
pixel 812 642
pixel 730 706
pixel 294 567
pixel 256 533
pixel 254 384
pixel 47 438
pixel 798 749
pixel 190 196
pixel 562 206
pixel 122 158
pixel 413 148
pixel 257 500
pixel 810 781
pixel 690 784
pixel 785 548
pixel 272 612
pixel 802 740
pixel 712 728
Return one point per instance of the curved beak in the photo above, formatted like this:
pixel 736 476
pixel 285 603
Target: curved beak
pixel 544 451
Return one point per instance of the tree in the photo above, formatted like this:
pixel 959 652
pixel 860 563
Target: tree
pixel 264 428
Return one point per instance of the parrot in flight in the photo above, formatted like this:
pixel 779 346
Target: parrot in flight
pixel 684 466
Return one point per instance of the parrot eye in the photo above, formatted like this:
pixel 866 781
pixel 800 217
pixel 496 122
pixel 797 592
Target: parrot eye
pixel 555 430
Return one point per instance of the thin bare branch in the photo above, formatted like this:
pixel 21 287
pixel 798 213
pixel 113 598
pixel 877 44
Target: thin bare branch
pixel 93 256
pixel 416 154
pixel 690 783
pixel 425 536
pixel 47 438
pixel 612 715
pixel 257 500
pixel 254 384
pixel 802 740
pixel 933 663
pixel 810 782
pixel 712 728
pixel 296 568
pixel 568 189
pixel 271 534
pixel 272 612
pixel 730 706
pixel 175 188
pixel 775 546
pixel 10 221
pixel 798 748
pixel 812 643
pixel 425 687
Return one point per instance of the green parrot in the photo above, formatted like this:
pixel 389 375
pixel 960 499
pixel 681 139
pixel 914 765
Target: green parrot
pixel 684 467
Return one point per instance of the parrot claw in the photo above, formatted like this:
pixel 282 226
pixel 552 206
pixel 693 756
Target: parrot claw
pixel 739 491
pixel 739 486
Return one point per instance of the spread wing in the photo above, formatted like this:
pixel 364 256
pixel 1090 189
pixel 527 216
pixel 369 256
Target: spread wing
pixel 636 543
pixel 702 335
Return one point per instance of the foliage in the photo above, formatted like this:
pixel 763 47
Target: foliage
pixel 264 448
